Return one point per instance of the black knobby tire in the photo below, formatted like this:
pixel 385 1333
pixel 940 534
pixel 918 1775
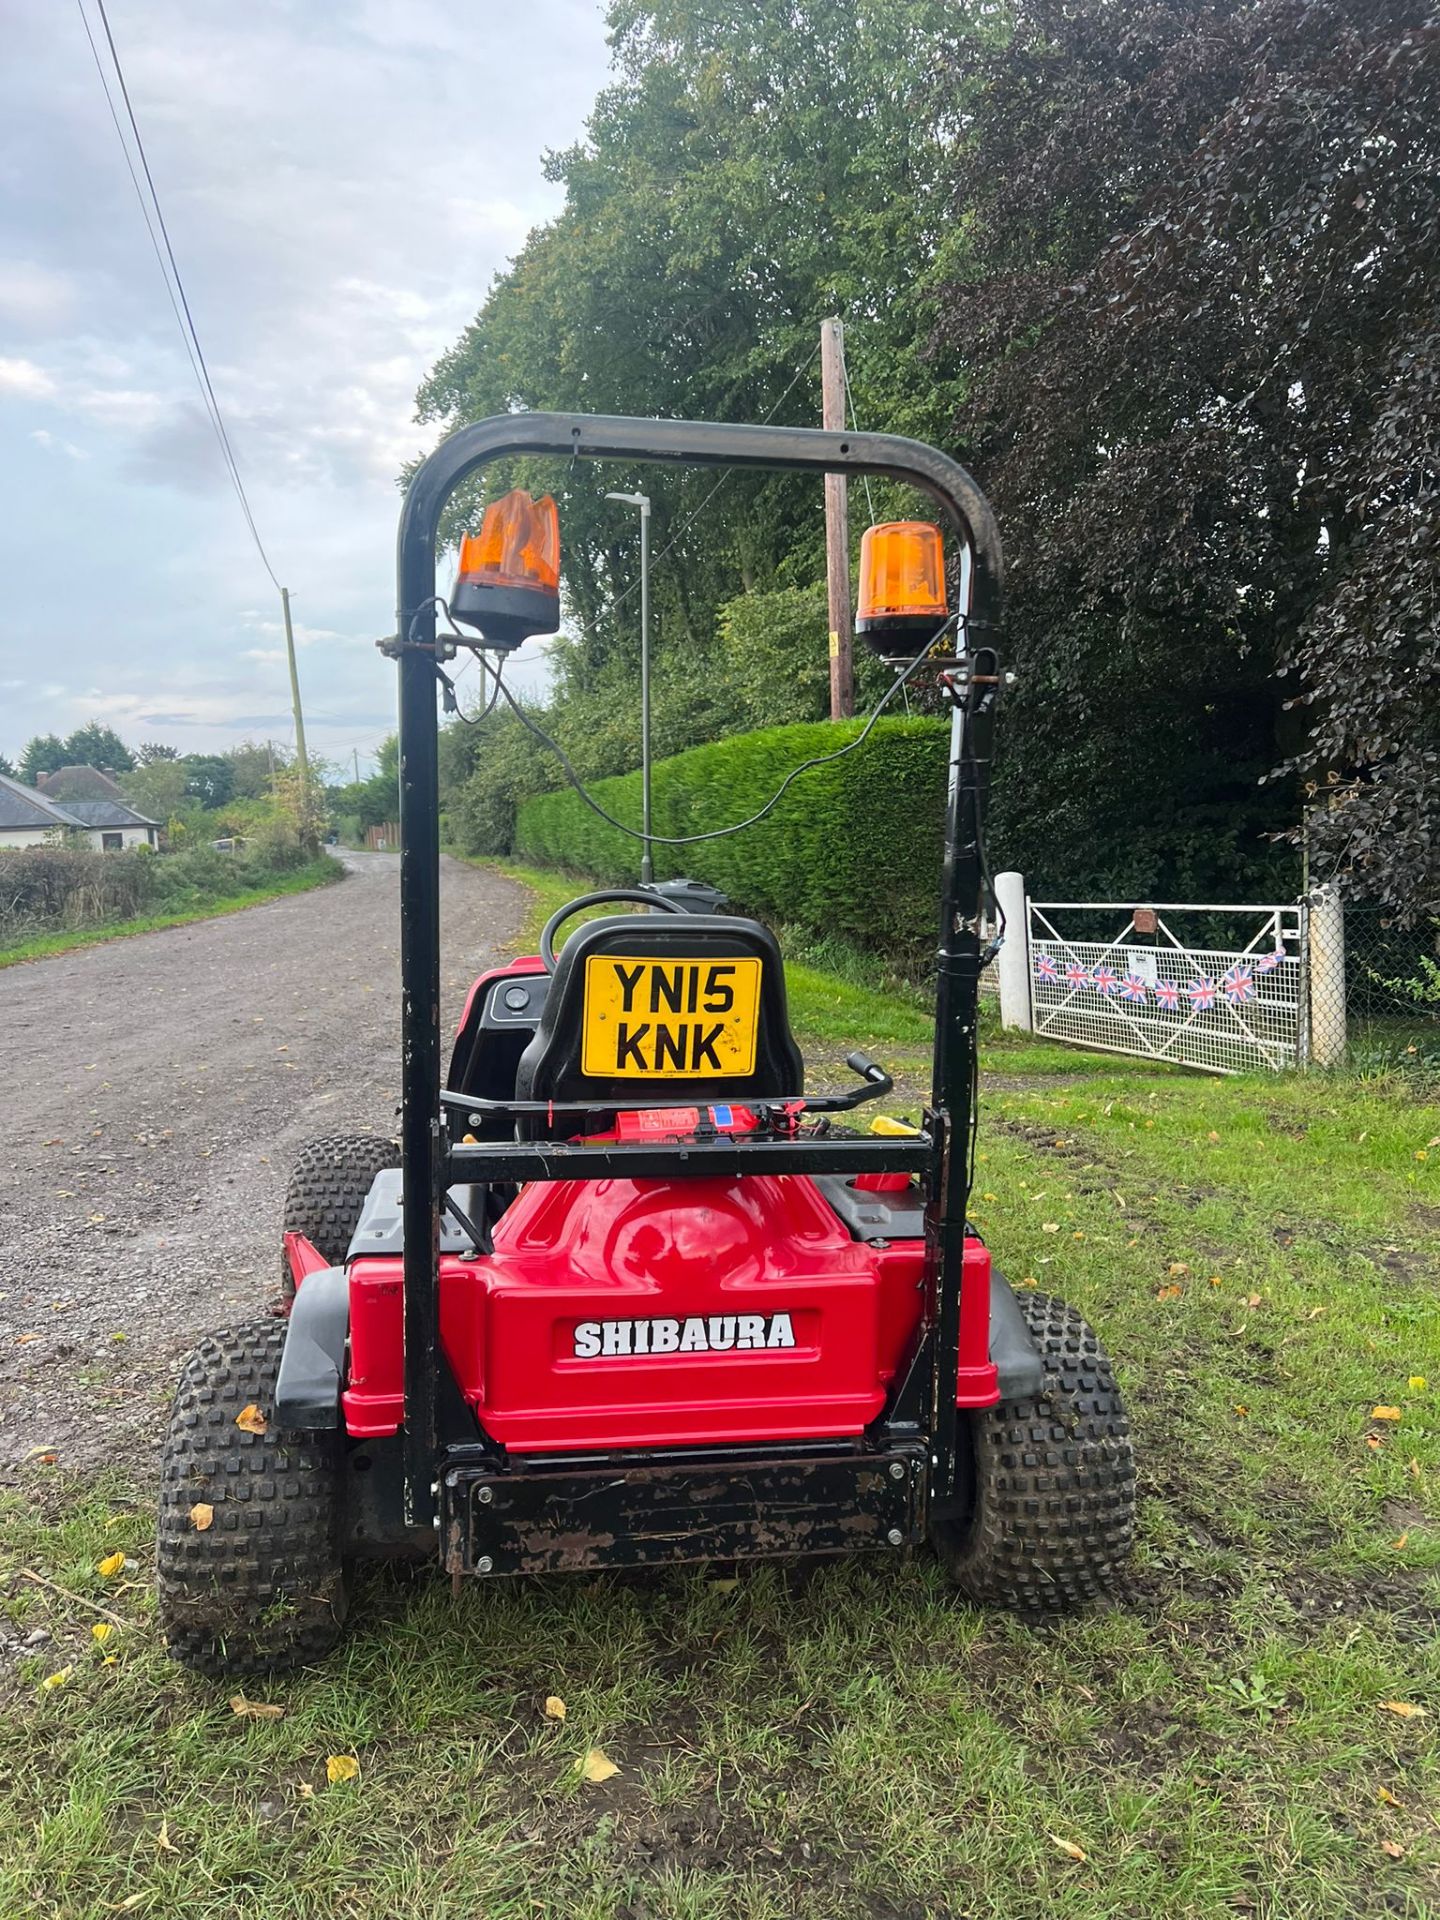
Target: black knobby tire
pixel 264 1584
pixel 1053 1515
pixel 327 1190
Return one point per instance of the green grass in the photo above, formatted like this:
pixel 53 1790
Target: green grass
pixel 1261 1255
pixel 318 873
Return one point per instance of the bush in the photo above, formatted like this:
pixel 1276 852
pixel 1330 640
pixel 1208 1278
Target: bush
pixel 43 889
pixel 852 850
pixel 62 889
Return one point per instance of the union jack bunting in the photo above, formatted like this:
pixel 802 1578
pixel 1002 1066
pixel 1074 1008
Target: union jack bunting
pixel 1167 995
pixel 1045 968
pixel 1076 975
pixel 1268 962
pixel 1239 984
pixel 1133 987
pixel 1105 980
pixel 1202 994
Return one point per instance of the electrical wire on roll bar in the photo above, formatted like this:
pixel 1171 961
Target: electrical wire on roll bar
pixel 739 826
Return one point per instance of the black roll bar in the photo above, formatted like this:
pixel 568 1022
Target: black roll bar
pixel 694 443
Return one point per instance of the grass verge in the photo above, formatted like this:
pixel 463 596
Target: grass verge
pixel 318 873
pixel 1247 1731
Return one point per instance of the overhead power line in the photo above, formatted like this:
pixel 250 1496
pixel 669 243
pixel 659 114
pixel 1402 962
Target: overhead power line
pixel 174 283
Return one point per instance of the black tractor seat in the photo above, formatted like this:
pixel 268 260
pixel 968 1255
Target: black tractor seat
pixel 685 1009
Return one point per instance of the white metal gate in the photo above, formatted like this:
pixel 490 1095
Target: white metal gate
pixel 1215 987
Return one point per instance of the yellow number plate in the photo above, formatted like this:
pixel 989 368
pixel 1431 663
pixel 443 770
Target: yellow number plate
pixel 669 1019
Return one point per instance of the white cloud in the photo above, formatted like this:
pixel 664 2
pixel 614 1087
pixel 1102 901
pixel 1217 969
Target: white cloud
pixel 44 438
pixel 34 295
pixel 25 379
pixel 339 204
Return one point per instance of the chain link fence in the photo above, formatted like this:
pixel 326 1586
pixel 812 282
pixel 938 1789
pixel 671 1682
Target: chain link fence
pixel 1374 988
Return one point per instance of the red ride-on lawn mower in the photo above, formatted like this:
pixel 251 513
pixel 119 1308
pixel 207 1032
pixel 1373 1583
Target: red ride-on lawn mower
pixel 626 1295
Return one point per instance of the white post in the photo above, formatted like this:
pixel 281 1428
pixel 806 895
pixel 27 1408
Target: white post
pixel 1327 977
pixel 1013 964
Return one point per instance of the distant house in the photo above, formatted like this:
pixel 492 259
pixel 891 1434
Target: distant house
pixel 33 816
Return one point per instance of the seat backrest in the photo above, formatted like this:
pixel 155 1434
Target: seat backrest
pixel 689 1007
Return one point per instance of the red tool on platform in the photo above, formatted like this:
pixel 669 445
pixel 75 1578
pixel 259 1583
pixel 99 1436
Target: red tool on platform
pixel 625 1293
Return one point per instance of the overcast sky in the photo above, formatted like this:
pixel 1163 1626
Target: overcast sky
pixel 341 179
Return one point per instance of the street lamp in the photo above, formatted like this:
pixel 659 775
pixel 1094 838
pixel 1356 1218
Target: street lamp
pixel 642 501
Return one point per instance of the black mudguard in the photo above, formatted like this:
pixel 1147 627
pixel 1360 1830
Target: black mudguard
pixel 307 1392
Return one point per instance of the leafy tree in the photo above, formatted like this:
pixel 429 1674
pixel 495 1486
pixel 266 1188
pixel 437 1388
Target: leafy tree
pixel 94 745
pixel 44 753
pixel 750 170
pixel 253 766
pixel 209 778
pixel 149 751
pixel 159 789
pixel 372 802
pixel 1200 321
pixel 6 768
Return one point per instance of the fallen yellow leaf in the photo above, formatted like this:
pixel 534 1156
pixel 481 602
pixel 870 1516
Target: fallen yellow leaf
pixel 101 1631
pixel 1216 1281
pixel 305 1790
pixel 554 1707
pixel 1050 1226
pixel 1069 1848
pixel 1175 1268
pixel 597 1767
pixel 255 1709
pixel 129 1903
pixel 163 1841
pixel 53 1680
pixel 1171 1292
pixel 341 1766
pixel 1386 1798
pixel 1417 1383
pixel 1399 1545
pixel 112 1564
pixel 251 1420
pixel 202 1516
pixel 1406 1709
pixel 1252 1300
pixel 1385 1413
pixel 1393 1848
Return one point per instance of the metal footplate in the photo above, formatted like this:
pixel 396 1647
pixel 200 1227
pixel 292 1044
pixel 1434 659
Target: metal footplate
pixel 640 1513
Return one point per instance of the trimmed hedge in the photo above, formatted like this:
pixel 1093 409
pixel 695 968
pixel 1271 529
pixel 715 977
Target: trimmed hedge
pixel 853 849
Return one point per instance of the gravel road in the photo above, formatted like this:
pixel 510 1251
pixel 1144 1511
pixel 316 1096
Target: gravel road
pixel 155 1092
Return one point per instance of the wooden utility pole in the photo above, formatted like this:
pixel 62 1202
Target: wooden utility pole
pixel 300 754
pixel 355 753
pixel 837 525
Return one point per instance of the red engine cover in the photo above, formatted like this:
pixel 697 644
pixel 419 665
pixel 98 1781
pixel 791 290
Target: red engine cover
pixel 655 1313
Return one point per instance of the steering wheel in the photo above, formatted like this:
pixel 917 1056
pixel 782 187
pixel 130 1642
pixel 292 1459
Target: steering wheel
pixel 637 894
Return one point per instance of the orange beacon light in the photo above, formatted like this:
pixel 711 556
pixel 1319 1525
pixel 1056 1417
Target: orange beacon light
pixel 508 581
pixel 902 586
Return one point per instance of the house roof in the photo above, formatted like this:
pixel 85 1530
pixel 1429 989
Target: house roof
pixel 106 813
pixel 21 806
pixel 77 783
pixel 24 807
